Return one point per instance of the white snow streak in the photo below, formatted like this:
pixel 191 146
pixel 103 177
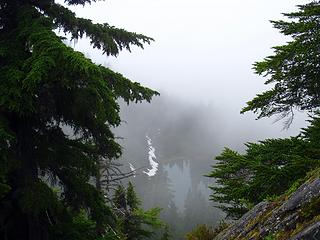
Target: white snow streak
pixel 152 157
pixel 132 169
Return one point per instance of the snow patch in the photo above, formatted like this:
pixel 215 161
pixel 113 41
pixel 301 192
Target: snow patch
pixel 132 168
pixel 152 157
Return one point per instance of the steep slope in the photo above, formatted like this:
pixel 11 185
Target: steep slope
pixel 293 216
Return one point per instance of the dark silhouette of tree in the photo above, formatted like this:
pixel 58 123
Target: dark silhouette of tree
pixel 268 168
pixel 133 221
pixel 46 175
pixel 166 234
pixel 294 69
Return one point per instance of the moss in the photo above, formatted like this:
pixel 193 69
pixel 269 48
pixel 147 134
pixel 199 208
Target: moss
pixel 272 198
pixel 299 228
pixel 283 235
pixel 255 234
pixel 312 175
pixel 251 227
pixel 308 214
pixel 266 214
pixel 270 237
pixel 204 232
pixel 311 209
pixel 294 187
pixel 302 225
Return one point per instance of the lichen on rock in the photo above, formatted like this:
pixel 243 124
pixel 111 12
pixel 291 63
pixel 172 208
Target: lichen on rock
pixel 295 216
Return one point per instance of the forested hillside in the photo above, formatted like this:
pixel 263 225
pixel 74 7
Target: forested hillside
pixel 69 171
pixel 54 185
pixel 273 186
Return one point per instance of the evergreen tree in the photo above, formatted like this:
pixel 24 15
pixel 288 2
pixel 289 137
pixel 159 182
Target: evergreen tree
pixel 119 199
pixel 133 221
pixel 230 173
pixel 166 234
pixel 294 69
pixel 132 199
pixel 45 88
pixel 267 169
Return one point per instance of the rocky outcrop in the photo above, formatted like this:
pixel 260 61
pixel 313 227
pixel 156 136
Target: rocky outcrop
pixel 295 217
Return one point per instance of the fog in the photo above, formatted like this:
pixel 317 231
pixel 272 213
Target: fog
pixel 203 50
pixel 201 63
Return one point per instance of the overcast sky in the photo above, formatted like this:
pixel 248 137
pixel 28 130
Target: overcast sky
pixel 203 50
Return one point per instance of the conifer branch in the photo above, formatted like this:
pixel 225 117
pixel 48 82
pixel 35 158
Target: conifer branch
pixel 109 39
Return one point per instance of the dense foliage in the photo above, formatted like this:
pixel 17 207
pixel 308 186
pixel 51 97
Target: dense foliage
pixel 293 71
pixel 267 169
pixel 204 232
pixel 48 177
pixel 133 222
pixel 166 233
pixel 270 167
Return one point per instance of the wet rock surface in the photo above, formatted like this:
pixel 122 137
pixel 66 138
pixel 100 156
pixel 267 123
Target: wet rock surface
pixel 311 232
pixel 282 219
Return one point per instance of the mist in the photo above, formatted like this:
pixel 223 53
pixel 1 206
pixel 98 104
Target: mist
pixel 203 50
pixel 201 63
pixel 185 140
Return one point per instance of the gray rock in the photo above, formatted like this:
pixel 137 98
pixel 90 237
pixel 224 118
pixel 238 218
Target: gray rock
pixel 311 232
pixel 240 227
pixel 303 195
pixel 268 218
